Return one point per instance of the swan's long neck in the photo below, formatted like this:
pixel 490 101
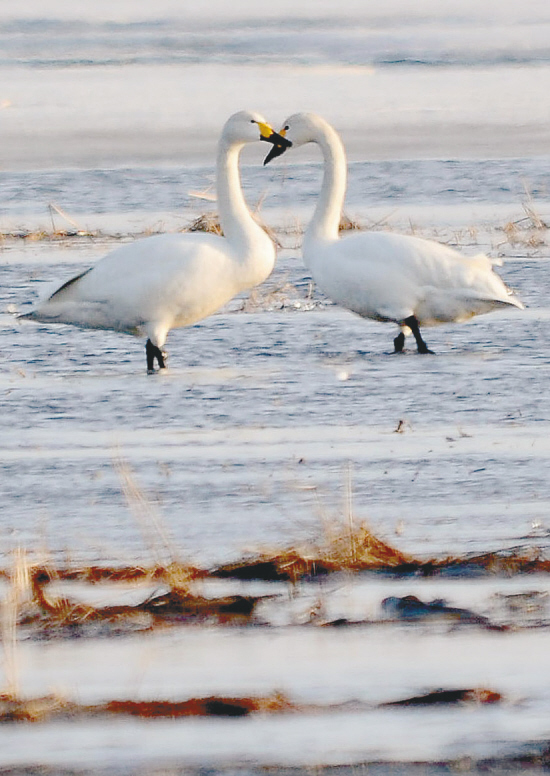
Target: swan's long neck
pixel 326 218
pixel 239 228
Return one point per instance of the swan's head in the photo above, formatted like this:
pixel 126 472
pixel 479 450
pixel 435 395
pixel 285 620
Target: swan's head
pixel 299 129
pixel 248 127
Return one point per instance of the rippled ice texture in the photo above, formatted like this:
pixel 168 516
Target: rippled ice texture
pixel 247 438
pixel 269 409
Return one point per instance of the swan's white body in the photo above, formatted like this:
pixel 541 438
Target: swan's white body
pixel 153 285
pixel 157 284
pixel 384 276
pixel 389 277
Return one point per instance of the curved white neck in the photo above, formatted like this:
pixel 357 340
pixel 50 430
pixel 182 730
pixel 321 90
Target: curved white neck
pixel 235 218
pixel 326 218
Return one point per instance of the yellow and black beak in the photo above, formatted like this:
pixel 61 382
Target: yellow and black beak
pixel 279 142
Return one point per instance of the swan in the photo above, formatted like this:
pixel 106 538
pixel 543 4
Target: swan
pixel 159 283
pixel 387 277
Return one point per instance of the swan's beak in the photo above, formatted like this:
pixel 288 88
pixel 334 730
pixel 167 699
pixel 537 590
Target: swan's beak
pixel 280 143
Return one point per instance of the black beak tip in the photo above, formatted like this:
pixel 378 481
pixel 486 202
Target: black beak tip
pixel 277 150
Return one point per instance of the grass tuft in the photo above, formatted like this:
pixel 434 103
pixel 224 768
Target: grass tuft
pixel 344 548
pixel 207 222
pixel 54 614
pixel 348 224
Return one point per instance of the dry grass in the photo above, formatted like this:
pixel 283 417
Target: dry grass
pixel 207 222
pixel 46 708
pixel 210 223
pixel 32 602
pixel 95 574
pixel 51 613
pixel 18 594
pixel 214 706
pixel 148 518
pixel 40 235
pixel 47 613
pixel 521 233
pixel 477 696
pixel 529 231
pixel 343 548
pixel 15 709
pixel 516 560
pixel 348 224
pixel 356 549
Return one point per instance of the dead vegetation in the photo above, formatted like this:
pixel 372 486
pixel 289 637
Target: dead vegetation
pixel 49 613
pixel 94 574
pixel 44 610
pixel 342 549
pixel 477 695
pixel 31 602
pixel 345 550
pixel 522 233
pixel 36 601
pixel 16 709
pixel 348 224
pixel 528 232
pixel 210 223
pixel 48 707
pixel 357 549
pixel 41 235
pixel 71 230
pixel 207 222
pixel 508 562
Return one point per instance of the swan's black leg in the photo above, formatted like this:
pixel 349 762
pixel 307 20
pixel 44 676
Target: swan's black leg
pixel 412 323
pixel 399 342
pixel 152 352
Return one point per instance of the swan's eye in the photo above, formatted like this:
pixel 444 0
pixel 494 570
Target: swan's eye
pixel 252 121
pixel 286 128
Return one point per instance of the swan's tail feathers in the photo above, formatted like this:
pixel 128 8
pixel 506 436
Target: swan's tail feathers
pixel 27 316
pixel 510 301
pixel 41 315
pixel 487 262
pixel 514 301
pixel 44 312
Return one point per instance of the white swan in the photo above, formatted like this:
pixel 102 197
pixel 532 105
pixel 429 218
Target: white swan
pixel 153 285
pixel 387 277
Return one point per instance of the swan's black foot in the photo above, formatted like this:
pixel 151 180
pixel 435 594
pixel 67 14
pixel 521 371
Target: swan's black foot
pixel 424 349
pixel 399 343
pixel 152 353
pixel 412 323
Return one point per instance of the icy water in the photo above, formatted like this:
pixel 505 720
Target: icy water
pixel 278 407
pixel 120 82
pixel 269 410
pixel 260 410
pixel 389 185
pixel 125 33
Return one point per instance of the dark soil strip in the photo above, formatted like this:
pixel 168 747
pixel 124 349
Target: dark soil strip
pixel 13 709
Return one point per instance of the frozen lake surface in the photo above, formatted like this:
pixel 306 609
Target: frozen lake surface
pixel 248 441
pixel 248 437
pixel 273 410
pixel 119 83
